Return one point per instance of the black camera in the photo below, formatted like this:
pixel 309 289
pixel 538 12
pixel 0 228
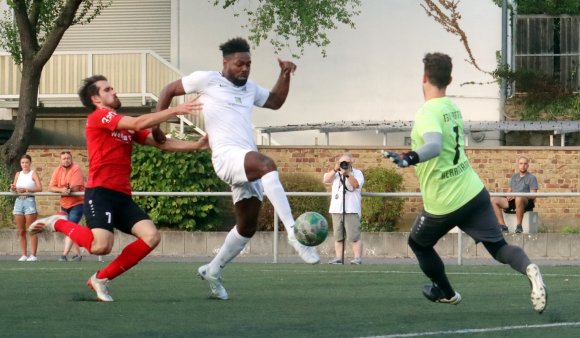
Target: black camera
pixel 344 165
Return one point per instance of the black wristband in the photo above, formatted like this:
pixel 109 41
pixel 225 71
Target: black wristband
pixel 411 157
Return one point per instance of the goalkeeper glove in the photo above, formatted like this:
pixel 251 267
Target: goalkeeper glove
pixel 402 160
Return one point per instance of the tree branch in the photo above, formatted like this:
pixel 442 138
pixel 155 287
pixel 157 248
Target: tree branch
pixel 53 37
pixel 28 41
pixel 450 23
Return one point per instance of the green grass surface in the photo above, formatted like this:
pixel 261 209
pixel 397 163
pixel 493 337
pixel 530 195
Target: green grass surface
pixel 49 299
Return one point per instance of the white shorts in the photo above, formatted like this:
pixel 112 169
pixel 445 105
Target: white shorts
pixel 229 166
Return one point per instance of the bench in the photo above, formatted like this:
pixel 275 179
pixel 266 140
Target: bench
pixel 530 222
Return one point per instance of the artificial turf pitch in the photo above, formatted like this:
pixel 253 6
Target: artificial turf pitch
pixel 166 299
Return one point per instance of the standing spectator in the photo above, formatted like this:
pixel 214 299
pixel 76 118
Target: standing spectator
pixel 453 194
pixel 228 97
pixel 25 212
pixel 345 207
pixel 522 181
pixel 108 202
pixel 66 179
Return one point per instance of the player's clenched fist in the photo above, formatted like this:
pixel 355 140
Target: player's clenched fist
pixel 287 67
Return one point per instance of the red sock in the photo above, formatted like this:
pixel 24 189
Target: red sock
pixel 129 257
pixel 79 234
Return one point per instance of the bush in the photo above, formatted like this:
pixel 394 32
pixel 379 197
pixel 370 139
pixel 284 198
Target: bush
pixel 155 170
pixel 299 204
pixel 6 202
pixel 381 213
pixel 571 230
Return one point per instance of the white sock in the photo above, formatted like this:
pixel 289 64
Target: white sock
pixel 233 245
pixel 277 196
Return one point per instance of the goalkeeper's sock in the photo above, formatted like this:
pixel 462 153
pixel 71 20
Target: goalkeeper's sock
pixel 233 245
pixel 129 257
pixel 277 196
pixel 79 234
pixel 433 267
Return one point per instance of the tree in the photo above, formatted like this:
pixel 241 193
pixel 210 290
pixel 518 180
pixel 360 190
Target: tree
pixel 31 34
pixel 305 22
pixel 34 29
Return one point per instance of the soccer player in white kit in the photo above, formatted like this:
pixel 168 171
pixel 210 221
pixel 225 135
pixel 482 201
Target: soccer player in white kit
pixel 228 98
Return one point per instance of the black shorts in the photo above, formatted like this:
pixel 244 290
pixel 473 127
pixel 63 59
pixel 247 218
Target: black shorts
pixel 109 209
pixel 476 218
pixel 511 209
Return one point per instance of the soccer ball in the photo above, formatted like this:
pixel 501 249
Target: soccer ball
pixel 311 228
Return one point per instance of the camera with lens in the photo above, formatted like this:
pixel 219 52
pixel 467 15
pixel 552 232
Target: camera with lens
pixel 344 165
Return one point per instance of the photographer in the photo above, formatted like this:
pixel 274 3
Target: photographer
pixel 345 207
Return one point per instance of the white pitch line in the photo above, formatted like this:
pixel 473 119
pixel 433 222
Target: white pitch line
pixel 37 269
pixel 412 272
pixel 491 329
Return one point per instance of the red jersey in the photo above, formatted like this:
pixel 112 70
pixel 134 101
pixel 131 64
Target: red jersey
pixel 110 151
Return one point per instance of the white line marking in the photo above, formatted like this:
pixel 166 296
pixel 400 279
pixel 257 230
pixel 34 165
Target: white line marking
pixel 37 269
pixel 491 329
pixel 410 272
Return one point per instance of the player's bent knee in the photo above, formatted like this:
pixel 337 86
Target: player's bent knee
pixel 152 240
pixel 101 249
pixel 493 247
pixel 415 246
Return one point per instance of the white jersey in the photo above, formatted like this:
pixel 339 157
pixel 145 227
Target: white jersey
pixel 227 109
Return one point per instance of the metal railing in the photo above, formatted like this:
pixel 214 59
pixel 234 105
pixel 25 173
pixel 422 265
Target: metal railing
pixel 321 194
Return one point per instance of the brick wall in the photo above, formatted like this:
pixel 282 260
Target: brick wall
pixel 557 169
pixel 44 161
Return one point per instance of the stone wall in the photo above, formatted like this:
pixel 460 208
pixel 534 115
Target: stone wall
pixel 375 245
pixel 557 169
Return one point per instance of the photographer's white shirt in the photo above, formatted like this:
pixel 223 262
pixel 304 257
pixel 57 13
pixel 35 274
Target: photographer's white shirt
pixel 353 196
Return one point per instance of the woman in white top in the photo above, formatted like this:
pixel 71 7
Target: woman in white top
pixel 25 183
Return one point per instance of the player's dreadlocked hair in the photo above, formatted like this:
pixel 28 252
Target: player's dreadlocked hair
pixel 235 45
pixel 89 89
pixel 438 69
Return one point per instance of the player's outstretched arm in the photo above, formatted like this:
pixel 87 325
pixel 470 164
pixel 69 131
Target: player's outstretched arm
pixel 149 120
pixel 167 94
pixel 179 145
pixel 279 93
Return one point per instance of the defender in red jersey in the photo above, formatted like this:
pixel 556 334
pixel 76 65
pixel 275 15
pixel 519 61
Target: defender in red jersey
pixel 108 204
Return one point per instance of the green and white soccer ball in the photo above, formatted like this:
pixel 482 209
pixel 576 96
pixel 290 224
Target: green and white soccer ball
pixel 311 228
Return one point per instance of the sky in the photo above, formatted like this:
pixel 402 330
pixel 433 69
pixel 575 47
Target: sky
pixel 372 72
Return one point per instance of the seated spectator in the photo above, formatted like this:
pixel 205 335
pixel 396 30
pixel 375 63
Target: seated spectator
pixel 522 181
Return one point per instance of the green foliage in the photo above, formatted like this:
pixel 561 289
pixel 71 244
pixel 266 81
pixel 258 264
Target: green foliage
pixel 543 107
pixel 154 170
pixel 6 202
pixel 551 7
pixel 304 22
pixel 381 213
pixel 43 17
pixel 299 204
pixel 571 230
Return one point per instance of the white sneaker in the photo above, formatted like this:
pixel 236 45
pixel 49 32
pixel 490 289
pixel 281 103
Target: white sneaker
pixel 101 287
pixel 215 283
pixel 32 259
pixel 46 223
pixel 307 253
pixel 22 258
pixel 539 295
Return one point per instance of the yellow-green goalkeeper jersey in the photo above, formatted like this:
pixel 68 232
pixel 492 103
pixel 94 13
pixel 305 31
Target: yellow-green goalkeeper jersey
pixel 447 181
